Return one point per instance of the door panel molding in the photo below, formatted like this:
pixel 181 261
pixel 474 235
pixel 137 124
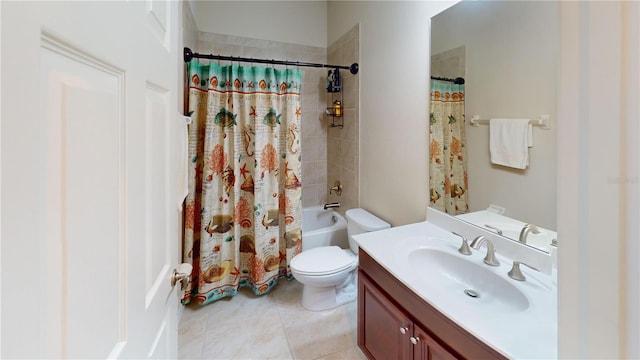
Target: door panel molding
pixel 83 122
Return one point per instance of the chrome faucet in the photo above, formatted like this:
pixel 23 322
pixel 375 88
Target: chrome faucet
pixel 490 258
pixel 331 205
pixel 464 248
pixel 526 230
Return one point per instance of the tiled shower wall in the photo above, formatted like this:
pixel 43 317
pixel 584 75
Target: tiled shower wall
pixel 343 143
pixel 189 39
pixel 449 64
pixel 313 123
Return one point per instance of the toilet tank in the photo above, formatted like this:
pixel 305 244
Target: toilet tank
pixel 360 221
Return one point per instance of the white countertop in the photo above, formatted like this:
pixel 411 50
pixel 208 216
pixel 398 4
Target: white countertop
pixel 530 333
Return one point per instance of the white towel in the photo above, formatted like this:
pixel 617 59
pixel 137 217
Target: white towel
pixel 182 163
pixel 509 141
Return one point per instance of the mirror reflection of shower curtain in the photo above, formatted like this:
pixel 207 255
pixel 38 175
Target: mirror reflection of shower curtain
pixel 448 182
pixel 243 213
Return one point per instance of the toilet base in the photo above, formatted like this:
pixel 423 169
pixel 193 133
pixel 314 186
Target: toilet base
pixel 325 298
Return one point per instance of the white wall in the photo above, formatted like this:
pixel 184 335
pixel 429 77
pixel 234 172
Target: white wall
pixel 394 75
pixel 296 22
pixel 511 72
pixel 598 198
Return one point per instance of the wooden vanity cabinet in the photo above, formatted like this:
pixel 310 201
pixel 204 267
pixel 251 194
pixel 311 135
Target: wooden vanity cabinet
pixel 395 323
pixel 385 328
pixel 425 347
pixel 387 333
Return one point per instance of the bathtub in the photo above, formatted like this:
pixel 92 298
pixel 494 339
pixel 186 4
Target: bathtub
pixel 323 228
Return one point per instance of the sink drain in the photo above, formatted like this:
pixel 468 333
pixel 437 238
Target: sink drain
pixel 471 293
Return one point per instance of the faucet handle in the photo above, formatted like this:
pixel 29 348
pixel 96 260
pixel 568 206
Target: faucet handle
pixel 464 248
pixel 337 187
pixel 497 230
pixel 515 272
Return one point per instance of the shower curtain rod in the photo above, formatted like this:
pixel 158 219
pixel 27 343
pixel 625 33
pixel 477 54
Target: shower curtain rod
pixel 188 55
pixel 457 81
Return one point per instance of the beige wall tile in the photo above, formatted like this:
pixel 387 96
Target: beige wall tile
pixel 342 143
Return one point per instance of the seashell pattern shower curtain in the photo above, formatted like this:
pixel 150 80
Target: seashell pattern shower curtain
pixel 243 213
pixel 448 182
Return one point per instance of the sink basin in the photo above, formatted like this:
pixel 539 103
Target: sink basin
pixel 465 281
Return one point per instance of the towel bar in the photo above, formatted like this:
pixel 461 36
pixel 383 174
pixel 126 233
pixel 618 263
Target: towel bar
pixel 544 121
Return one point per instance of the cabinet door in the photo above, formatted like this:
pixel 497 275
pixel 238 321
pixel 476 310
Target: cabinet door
pixel 383 330
pixel 426 348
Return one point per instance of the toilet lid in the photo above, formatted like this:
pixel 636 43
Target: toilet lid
pixel 322 260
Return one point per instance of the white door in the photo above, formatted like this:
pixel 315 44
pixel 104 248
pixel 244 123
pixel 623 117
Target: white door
pixel 90 222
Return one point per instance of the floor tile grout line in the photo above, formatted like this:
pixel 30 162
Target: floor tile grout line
pixel 279 309
pixel 284 330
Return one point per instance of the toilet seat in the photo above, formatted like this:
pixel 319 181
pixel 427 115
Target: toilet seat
pixel 324 260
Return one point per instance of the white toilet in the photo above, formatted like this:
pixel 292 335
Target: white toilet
pixel 328 273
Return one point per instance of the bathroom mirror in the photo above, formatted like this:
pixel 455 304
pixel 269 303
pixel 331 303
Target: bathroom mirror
pixel 507 53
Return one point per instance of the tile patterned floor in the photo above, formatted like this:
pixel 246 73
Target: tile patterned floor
pixel 273 326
